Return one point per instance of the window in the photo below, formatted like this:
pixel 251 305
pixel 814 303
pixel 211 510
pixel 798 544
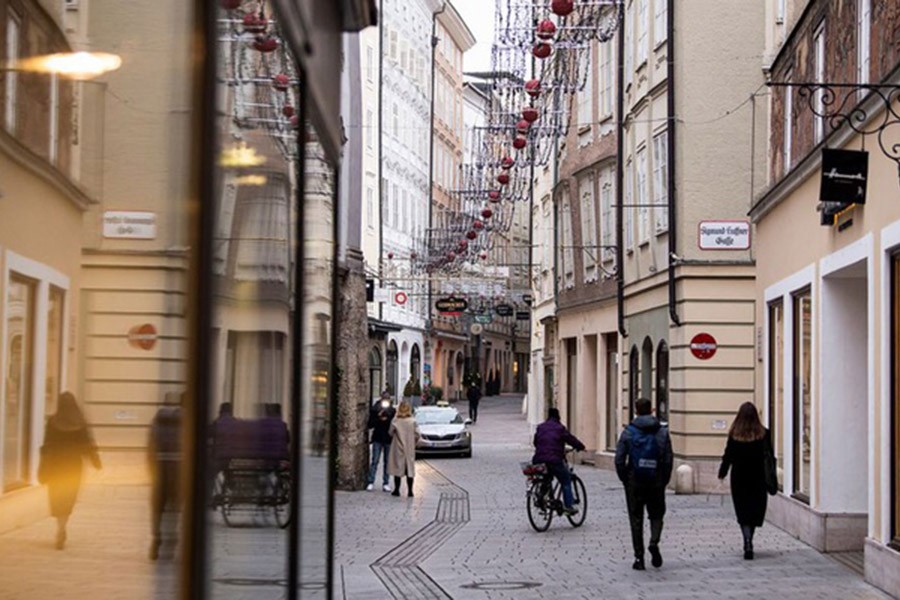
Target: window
pixel 607 214
pixel 567 242
pixel 13 26
pixel 396 208
pixel 53 142
pixel 375 373
pixel 612 390
pixel 780 7
pixel 642 201
pixel 393 46
pixel 588 228
pixel 606 78
pixel 370 208
pixel 585 103
pixel 895 404
pixel 370 64
pixel 19 372
pixel 628 209
pixel 662 382
pixel 776 379
pixel 395 120
pixel 864 29
pixel 802 433
pixel 404 55
pixel 404 211
pixel 370 129
pixel 787 123
pixel 629 43
pixel 660 25
pixel 643 32
pixel 661 180
pixel 819 44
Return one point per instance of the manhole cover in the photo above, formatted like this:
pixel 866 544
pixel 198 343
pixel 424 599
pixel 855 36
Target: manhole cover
pixel 502 585
pixel 247 582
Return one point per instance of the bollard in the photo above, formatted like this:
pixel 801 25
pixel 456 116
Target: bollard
pixel 684 480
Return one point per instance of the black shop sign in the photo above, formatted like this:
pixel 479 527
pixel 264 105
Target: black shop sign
pixel 844 177
pixel 451 305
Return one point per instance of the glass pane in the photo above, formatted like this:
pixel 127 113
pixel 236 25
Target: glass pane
pixel 776 383
pixel 895 316
pixel 802 395
pixel 54 347
pixel 19 371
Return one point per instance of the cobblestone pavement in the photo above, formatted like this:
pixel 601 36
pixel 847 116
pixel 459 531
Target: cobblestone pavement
pixel 493 553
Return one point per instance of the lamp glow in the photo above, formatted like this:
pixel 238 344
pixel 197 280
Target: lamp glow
pixel 73 65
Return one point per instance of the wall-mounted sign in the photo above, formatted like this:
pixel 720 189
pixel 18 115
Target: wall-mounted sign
pixel 844 176
pixel 143 336
pixel 129 225
pixel 451 305
pixel 504 310
pixel 523 315
pixel 370 290
pixel 527 299
pixel 401 298
pixel 484 319
pixel 476 328
pixel 703 346
pixel 724 235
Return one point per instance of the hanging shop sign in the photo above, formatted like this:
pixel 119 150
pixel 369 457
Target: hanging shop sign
pixel 504 310
pixel 129 225
pixel 143 336
pixel 723 235
pixel 523 315
pixel 843 183
pixel 476 328
pixel 704 346
pixel 451 305
pixel 527 299
pixel 484 319
pixel 401 298
pixel 370 290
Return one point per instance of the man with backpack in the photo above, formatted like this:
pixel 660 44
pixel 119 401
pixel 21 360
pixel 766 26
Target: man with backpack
pixel 644 465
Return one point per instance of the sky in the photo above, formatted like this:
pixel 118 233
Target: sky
pixel 479 16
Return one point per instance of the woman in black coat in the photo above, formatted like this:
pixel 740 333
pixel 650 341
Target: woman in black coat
pixel 745 452
pixel 67 442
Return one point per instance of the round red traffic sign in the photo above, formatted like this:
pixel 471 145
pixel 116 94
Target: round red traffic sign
pixel 143 336
pixel 703 346
pixel 401 297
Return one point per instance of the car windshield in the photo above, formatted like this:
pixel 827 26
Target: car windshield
pixel 438 417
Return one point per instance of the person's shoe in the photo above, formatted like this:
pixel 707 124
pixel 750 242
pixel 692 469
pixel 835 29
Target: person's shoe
pixel 570 511
pixel 386 487
pixel 655 556
pixel 748 554
pixel 410 494
pixel 370 487
pixel 639 565
pixel 395 493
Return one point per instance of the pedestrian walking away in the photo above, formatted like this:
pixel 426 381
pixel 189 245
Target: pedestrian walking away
pixel 381 415
pixel 473 395
pixel 749 457
pixel 404 437
pixel 164 460
pixel 550 441
pixel 67 442
pixel 644 465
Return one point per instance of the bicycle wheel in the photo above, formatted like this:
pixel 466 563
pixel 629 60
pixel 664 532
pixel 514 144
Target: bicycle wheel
pixel 282 506
pixel 581 502
pixel 539 512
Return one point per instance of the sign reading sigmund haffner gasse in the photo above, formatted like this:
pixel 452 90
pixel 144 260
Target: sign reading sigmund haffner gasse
pixel 724 235
pixel 129 224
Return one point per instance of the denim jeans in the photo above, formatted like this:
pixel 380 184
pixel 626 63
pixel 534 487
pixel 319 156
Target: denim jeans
pixel 379 450
pixel 560 470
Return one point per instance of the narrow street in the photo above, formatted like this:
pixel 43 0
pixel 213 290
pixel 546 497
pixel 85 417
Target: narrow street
pixel 423 548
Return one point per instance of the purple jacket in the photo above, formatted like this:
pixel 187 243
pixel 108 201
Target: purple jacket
pixel 550 441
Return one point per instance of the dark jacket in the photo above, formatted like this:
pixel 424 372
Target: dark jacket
pixel 473 394
pixel 746 460
pixel 380 422
pixel 550 441
pixel 650 424
pixel 62 456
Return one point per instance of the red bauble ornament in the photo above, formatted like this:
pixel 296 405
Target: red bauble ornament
pixel 295 123
pixel 522 127
pixel 533 88
pixel 287 110
pixel 562 7
pixel 451 256
pixel 281 82
pixel 508 162
pixel 530 114
pixel 230 4
pixel 413 255
pixel 265 44
pixel 546 29
pixel 476 225
pixel 483 257
pixel 463 245
pixel 520 142
pixel 472 234
pixel 390 255
pixel 503 178
pixel 255 24
pixel 542 50
pixel 487 213
pixel 494 195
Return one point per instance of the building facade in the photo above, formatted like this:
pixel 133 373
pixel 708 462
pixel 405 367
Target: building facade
pixel 827 283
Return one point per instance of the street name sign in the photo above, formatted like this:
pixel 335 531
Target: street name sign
pixel 723 235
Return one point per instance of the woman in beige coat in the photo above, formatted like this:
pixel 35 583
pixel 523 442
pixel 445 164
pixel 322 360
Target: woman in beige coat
pixel 404 436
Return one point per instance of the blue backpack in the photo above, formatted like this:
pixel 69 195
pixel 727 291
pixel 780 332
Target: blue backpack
pixel 643 456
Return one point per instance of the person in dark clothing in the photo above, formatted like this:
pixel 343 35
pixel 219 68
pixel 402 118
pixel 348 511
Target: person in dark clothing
pixel 550 441
pixel 644 465
pixel 163 458
pixel 745 456
pixel 67 442
pixel 473 395
pixel 380 416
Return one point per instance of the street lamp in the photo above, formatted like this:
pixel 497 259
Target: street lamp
pixel 79 66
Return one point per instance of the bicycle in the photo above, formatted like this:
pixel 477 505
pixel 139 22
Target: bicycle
pixel 544 496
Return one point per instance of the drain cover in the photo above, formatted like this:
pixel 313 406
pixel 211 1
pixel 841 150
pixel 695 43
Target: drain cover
pixel 502 585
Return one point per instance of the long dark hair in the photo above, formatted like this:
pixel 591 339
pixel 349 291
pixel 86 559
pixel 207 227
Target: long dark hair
pixel 747 426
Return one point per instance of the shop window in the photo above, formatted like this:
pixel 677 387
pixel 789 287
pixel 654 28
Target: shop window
pixel 55 307
pixel 895 404
pixel 18 372
pixel 612 391
pixel 802 433
pixel 375 373
pixel 776 380
pixel 662 382
pixel 647 369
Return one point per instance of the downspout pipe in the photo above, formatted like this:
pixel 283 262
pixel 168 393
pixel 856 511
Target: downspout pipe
pixel 620 148
pixel 434 43
pixel 382 188
pixel 670 124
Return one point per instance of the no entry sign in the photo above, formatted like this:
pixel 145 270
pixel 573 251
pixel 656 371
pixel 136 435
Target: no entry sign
pixel 703 346
pixel 401 298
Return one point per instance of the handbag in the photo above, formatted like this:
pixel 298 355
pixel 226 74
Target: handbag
pixel 771 473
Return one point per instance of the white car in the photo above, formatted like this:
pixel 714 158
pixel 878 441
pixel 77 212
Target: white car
pixel 443 431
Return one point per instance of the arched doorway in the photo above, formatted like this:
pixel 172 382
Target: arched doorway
pixel 647 369
pixel 662 382
pixel 633 379
pixel 391 367
pixel 375 373
pixel 415 363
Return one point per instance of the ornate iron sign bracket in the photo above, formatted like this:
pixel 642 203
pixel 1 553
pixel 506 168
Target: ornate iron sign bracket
pixel 841 104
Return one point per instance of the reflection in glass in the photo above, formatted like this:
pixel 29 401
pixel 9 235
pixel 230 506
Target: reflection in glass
pixel 776 382
pixel 18 372
pixel 802 393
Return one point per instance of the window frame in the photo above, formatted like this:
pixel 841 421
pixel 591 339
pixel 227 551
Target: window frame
pixel 797 490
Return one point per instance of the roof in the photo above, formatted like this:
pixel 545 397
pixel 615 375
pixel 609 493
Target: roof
pixel 456 27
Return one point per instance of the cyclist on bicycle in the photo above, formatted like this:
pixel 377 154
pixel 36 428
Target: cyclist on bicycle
pixel 550 441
